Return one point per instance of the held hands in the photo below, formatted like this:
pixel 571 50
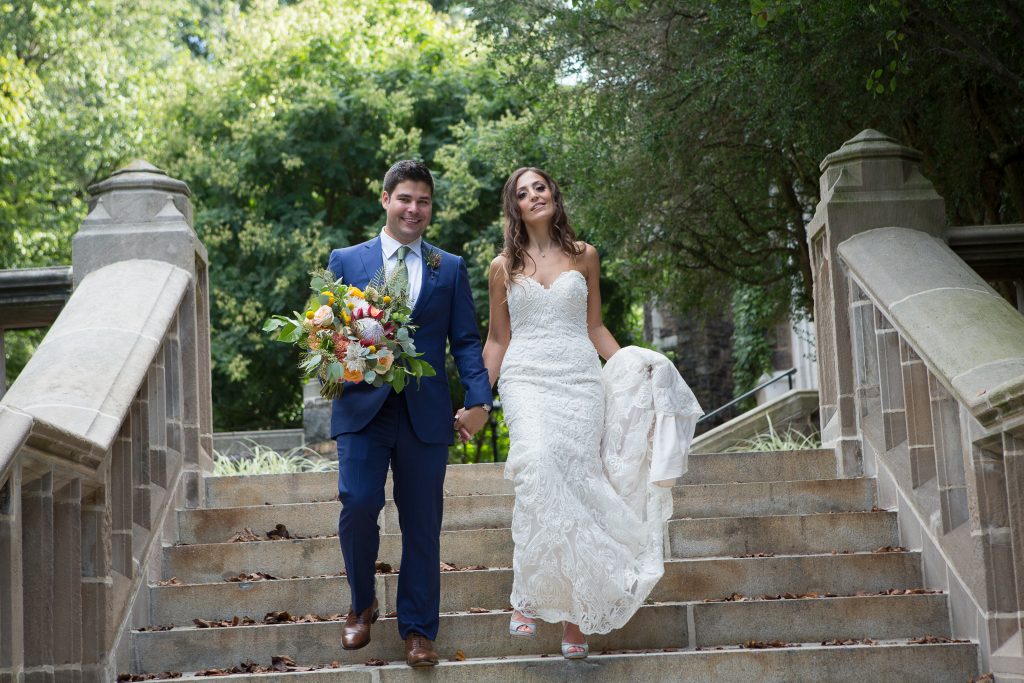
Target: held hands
pixel 470 421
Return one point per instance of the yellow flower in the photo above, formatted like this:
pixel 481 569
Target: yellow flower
pixel 351 305
pixel 373 348
pixel 309 314
pixel 387 299
pixel 355 291
pixel 345 316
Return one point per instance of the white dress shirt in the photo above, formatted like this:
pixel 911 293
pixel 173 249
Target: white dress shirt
pixel 389 246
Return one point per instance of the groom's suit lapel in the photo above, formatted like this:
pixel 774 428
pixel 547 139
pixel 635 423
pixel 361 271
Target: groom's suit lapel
pixel 428 276
pixel 372 258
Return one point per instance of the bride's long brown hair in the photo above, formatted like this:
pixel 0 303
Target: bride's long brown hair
pixel 516 237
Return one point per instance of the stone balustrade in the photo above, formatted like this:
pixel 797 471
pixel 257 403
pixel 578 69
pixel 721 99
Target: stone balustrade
pixel 104 434
pixel 922 376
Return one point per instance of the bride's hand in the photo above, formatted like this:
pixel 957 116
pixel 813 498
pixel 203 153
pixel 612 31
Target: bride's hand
pixel 464 434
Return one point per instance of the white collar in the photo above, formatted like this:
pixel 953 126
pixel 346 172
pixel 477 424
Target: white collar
pixel 390 245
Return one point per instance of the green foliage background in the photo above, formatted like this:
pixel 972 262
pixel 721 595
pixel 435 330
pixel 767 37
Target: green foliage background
pixel 687 136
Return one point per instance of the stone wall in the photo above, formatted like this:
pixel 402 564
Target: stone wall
pixel 702 348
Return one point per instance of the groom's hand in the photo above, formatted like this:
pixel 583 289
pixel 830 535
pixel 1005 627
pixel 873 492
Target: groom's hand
pixel 469 421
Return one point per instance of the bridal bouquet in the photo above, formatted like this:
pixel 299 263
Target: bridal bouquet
pixel 352 335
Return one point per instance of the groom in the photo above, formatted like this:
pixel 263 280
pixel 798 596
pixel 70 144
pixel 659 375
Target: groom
pixel 409 431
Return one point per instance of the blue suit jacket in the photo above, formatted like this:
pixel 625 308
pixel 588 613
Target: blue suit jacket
pixel 444 313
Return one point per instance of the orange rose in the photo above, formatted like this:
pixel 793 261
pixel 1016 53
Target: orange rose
pixel 353 375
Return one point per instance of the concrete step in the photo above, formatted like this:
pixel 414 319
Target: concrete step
pixel 477 635
pixel 684 581
pixel 485 635
pixel 487 478
pixel 308 487
pixel 885 663
pixel 773 498
pixel 782 534
pixel 216 525
pixel 310 557
pixel 688 538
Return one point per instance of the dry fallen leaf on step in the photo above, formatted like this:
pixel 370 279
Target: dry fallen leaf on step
pixel 173 581
pixel 159 627
pixel 765 644
pixel 932 640
pixel 278 532
pixel 459 656
pixel 286 663
pixel 445 567
pixel 478 610
pixel 375 662
pixel 277 618
pixel 172 674
pixel 213 672
pixel 253 576
pixel 244 536
pixel 890 549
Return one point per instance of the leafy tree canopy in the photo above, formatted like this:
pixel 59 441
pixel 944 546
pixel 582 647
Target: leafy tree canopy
pixel 283 128
pixel 691 132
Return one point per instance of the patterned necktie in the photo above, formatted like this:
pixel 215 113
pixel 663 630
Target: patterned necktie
pixel 400 273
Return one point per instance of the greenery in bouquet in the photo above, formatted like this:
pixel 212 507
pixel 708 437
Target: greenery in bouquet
pixel 351 335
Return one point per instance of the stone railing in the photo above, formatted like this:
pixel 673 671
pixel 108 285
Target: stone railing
pixel 103 434
pixel 922 386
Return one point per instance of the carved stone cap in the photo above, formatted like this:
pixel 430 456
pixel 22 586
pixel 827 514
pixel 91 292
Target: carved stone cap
pixel 140 175
pixel 870 144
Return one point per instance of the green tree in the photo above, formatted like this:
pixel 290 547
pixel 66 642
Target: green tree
pixel 78 81
pixel 691 132
pixel 283 129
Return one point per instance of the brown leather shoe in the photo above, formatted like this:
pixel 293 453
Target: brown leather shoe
pixel 356 632
pixel 419 650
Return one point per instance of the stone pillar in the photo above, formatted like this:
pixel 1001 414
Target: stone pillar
pixel 140 212
pixel 316 415
pixel 870 182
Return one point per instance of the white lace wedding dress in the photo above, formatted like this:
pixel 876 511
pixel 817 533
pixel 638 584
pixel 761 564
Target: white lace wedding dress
pixel 584 552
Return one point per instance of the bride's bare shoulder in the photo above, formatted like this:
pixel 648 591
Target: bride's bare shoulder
pixel 588 258
pixel 497 271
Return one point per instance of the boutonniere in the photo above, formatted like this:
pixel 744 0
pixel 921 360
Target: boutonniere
pixel 433 259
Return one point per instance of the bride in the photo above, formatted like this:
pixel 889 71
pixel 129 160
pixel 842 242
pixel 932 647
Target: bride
pixel 583 556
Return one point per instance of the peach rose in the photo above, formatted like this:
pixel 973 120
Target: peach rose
pixel 353 375
pixel 323 317
pixel 313 340
pixel 384 361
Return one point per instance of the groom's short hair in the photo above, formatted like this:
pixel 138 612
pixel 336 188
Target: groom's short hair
pixel 407 169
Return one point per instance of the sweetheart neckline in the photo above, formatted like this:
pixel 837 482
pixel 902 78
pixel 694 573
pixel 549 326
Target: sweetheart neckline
pixel 557 278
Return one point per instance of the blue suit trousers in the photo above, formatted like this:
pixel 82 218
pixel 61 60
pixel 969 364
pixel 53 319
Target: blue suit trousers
pixel 418 471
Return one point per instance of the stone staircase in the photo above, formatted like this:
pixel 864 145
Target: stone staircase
pixel 777 571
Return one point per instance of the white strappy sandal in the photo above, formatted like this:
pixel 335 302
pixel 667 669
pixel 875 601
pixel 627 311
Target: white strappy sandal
pixel 581 650
pixel 521 629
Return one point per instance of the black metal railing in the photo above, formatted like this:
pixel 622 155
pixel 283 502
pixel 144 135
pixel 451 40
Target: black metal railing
pixel 787 375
